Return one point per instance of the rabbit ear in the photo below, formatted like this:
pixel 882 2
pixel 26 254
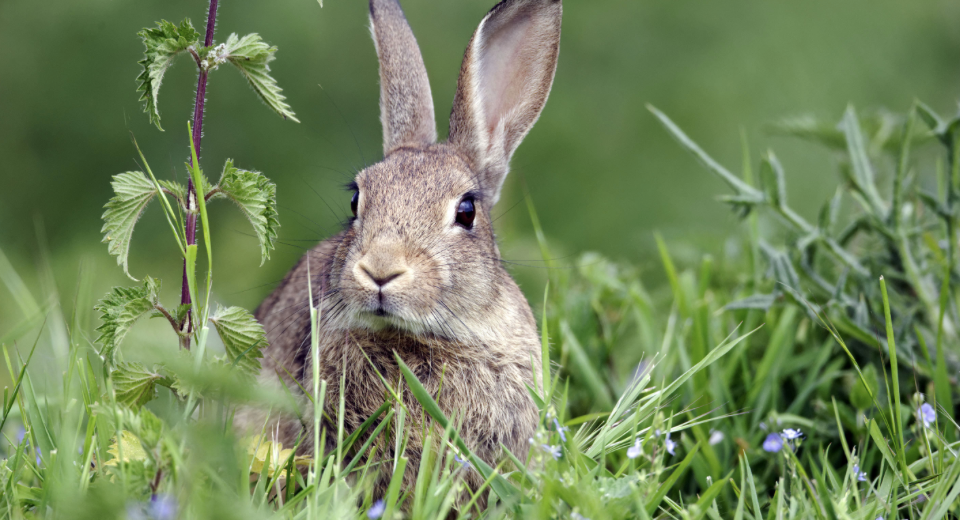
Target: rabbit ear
pixel 406 104
pixel 505 78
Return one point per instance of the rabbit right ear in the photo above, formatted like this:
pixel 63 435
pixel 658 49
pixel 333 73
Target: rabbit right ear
pixel 505 78
pixel 406 105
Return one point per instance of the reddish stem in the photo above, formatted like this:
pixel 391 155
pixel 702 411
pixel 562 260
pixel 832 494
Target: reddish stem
pixel 191 223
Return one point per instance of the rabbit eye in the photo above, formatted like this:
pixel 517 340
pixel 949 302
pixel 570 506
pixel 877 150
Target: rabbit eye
pixel 354 201
pixel 466 212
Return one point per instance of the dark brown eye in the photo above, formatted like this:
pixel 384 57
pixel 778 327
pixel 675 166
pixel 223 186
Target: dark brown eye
pixel 354 201
pixel 466 213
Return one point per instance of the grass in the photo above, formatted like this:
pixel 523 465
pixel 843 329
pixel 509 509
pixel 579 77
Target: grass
pixel 681 401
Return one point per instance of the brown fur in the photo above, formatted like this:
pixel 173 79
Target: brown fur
pixel 403 277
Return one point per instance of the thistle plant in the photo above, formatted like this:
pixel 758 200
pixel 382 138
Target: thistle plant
pixel 185 209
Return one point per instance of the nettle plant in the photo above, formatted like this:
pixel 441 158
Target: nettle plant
pixel 185 208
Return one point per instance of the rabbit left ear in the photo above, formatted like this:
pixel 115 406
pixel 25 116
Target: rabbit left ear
pixel 504 81
pixel 406 104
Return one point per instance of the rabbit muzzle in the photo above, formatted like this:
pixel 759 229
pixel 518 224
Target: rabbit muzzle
pixel 391 288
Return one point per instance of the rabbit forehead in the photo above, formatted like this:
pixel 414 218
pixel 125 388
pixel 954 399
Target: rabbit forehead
pixel 413 181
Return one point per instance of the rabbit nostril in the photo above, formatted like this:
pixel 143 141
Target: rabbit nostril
pixel 382 280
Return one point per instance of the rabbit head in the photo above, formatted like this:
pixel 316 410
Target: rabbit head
pixel 420 254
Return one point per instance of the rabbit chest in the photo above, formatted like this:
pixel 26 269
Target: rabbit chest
pixel 483 392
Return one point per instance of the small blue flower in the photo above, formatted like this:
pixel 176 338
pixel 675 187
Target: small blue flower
pixel 636 450
pixel 376 510
pixel 670 445
pixel 791 434
pixel 560 429
pixel 552 450
pixel 162 507
pixel 464 463
pixel 21 433
pixel 773 443
pixel 861 475
pixel 927 415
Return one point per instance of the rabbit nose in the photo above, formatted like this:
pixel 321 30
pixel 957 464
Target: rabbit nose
pixel 382 279
pixel 380 267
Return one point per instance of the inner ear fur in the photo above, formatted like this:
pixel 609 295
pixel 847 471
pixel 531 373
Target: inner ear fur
pixel 505 79
pixel 406 103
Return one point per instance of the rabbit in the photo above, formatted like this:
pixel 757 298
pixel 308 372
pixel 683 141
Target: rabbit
pixel 417 269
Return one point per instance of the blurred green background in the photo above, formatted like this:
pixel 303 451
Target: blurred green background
pixel 603 174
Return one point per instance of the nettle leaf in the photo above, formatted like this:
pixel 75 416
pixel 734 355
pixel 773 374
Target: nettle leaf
pixel 134 384
pixel 120 309
pixel 129 444
pixel 176 189
pixel 252 56
pixel 133 191
pixel 257 198
pixel 162 43
pixel 243 338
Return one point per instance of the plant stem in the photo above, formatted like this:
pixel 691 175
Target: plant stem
pixel 191 220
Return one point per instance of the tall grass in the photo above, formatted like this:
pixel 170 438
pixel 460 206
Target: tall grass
pixel 808 375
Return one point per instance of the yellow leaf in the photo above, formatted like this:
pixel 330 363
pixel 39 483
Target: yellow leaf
pixel 132 449
pixel 265 452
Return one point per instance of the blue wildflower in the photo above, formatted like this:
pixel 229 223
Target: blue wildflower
pixel 376 510
pixel 560 429
pixel 636 450
pixel 926 414
pixel 791 434
pixel 670 445
pixel 773 443
pixel 464 463
pixel 552 450
pixel 162 507
pixel 861 475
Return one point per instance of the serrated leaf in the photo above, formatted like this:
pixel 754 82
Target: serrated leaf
pixel 257 198
pixel 130 445
pixel 132 192
pixel 162 43
pixel 134 384
pixel 772 180
pixel 176 189
pixel 862 175
pixel 243 338
pixel 251 55
pixel 120 309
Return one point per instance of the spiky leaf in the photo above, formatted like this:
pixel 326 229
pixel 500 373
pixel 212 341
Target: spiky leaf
pixel 242 336
pixel 257 198
pixel 120 309
pixel 163 43
pixel 134 384
pixel 251 55
pixel 132 192
pixel 130 446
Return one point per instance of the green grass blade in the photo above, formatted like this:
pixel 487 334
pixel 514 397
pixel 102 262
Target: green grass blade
pixel 654 502
pixel 504 489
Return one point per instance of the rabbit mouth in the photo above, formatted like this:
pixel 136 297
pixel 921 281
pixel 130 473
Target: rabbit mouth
pixel 382 319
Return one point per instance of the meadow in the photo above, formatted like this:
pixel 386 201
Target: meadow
pixel 805 368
